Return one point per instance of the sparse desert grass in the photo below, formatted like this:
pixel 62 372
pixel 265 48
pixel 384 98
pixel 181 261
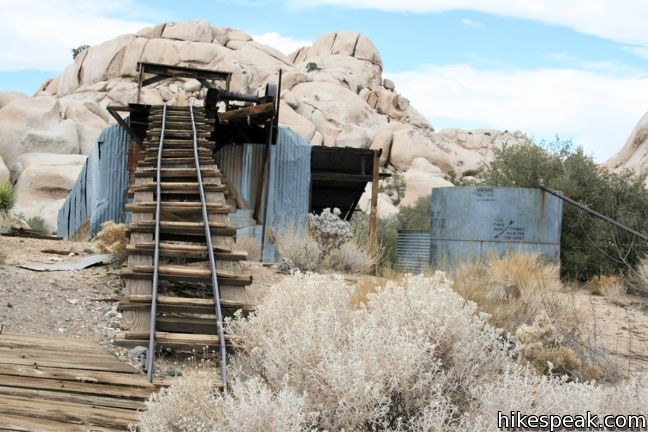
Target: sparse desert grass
pixel 250 246
pixel 300 248
pixel 412 356
pixel 7 197
pixel 638 281
pixel 327 244
pixel 524 296
pixel 112 239
pixel 611 287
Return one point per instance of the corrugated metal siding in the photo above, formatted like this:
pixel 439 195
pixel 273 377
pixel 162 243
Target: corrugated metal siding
pixel 288 183
pixel 469 223
pixel 100 191
pixel 413 249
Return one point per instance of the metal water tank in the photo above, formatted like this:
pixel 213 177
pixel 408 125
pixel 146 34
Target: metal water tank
pixel 469 223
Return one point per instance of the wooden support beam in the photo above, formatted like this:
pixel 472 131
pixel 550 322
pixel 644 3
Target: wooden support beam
pixel 373 217
pixel 252 111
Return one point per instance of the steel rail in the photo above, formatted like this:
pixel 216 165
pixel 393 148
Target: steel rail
pixel 150 354
pixel 212 259
pixel 586 209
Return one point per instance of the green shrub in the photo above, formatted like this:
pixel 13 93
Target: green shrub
pixel 312 67
pixel 7 197
pixel 589 246
pixel 78 50
pixel 37 224
pixel 414 217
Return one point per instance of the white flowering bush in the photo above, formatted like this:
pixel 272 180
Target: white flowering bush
pixel 327 244
pixel 412 356
pixel 329 230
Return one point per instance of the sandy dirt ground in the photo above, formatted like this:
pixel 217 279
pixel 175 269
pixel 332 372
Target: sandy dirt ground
pixel 83 304
pixel 620 327
pixel 79 304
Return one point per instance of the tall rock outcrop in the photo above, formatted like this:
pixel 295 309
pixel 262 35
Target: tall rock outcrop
pixel 634 154
pixel 333 94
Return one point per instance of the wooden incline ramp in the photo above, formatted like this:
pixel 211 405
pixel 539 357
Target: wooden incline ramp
pixel 57 384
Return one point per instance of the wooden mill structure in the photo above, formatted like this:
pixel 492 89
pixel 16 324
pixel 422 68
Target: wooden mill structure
pixel 183 271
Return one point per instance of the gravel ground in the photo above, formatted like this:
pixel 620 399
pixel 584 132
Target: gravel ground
pixel 79 304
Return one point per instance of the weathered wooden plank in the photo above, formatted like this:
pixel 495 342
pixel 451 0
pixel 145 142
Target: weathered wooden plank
pixel 206 171
pixel 185 251
pixel 16 423
pixel 179 227
pixel 54 361
pixel 178 207
pixel 76 387
pixel 76 375
pixel 168 187
pixel 176 341
pixel 177 270
pixel 67 412
pixel 252 111
pixel 92 400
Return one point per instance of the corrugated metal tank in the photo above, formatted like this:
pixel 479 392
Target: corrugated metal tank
pixel 413 249
pixel 469 223
pixel 101 189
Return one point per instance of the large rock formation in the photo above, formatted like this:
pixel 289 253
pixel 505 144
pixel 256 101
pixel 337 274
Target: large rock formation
pixel 333 94
pixel 634 154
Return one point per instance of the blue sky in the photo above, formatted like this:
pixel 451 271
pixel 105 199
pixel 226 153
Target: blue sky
pixel 573 68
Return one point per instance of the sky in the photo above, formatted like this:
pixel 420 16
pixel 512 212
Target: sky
pixel 577 69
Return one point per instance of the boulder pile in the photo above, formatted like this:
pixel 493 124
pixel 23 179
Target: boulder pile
pixel 333 94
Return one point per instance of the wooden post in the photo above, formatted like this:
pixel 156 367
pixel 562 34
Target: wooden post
pixel 373 216
pixel 139 82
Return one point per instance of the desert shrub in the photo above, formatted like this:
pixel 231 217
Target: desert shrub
pixel 300 248
pixel 197 406
pixel 524 296
pixel 37 224
pixel 329 243
pixel 7 197
pixel 638 279
pixel 612 287
pixel 249 246
pixel 589 246
pixel 112 239
pixel 394 187
pixel 78 50
pixel 349 258
pixel 414 217
pixel 413 356
pixel 312 67
pixel 329 230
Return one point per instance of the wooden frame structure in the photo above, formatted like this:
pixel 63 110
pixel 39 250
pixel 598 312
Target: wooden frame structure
pixel 161 72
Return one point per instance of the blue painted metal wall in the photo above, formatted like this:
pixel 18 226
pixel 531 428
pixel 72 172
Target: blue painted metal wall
pixel 100 191
pixel 469 223
pixel 288 184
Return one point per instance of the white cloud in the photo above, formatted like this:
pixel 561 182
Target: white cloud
pixel 596 110
pixel 285 44
pixel 472 23
pixel 39 34
pixel 619 20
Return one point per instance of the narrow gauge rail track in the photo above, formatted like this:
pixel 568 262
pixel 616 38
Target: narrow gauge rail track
pixel 183 272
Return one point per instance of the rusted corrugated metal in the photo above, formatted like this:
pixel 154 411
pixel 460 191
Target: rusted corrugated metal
pixel 100 191
pixel 413 250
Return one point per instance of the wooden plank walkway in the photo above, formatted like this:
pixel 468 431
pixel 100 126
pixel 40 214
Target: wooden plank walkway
pixel 58 384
